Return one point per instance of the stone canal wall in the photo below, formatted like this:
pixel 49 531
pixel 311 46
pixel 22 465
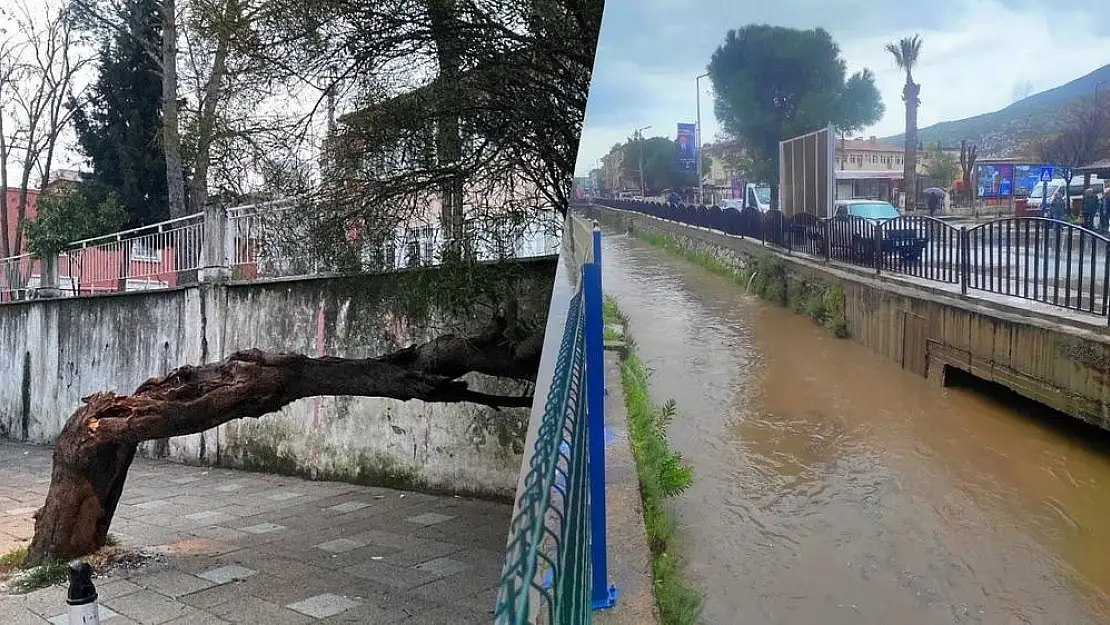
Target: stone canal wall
pixel 54 352
pixel 1058 361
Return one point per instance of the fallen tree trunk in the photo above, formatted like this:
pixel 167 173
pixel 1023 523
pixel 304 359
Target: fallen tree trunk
pixel 95 448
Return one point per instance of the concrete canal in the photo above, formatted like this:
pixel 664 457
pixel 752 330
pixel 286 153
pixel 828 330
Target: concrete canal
pixel 833 487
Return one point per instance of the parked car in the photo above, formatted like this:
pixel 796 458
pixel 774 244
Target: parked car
pixel 906 243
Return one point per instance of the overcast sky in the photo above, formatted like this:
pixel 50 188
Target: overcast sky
pixel 977 55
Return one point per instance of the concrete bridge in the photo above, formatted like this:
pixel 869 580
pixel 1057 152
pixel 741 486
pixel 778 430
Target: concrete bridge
pixel 1057 357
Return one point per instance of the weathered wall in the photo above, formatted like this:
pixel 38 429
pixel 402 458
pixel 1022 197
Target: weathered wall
pixel 1054 360
pixel 53 352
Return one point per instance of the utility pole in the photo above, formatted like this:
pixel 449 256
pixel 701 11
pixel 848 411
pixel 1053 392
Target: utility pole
pixel 697 138
pixel 639 134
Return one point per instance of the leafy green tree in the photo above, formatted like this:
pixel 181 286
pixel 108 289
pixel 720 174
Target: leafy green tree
pixel 906 53
pixel 942 165
pixel 773 83
pixel 661 167
pixel 64 216
pixel 119 127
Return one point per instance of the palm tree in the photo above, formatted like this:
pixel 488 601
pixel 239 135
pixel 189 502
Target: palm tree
pixel 906 53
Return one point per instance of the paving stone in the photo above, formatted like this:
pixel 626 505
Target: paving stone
pixel 350 506
pixel 197 619
pixel 395 576
pixel 429 518
pixel 284 496
pixel 225 574
pixel 323 606
pixel 13 614
pixel 44 601
pixel 173 583
pixel 150 608
pixel 153 504
pixel 341 545
pixel 249 610
pixel 420 551
pixel 442 567
pixel 208 516
pixel 103 612
pixel 115 588
pixel 262 528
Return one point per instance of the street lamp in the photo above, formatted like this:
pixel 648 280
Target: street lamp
pixel 697 137
pixel 639 134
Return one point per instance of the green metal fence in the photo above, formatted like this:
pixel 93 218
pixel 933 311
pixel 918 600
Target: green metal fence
pixel 555 565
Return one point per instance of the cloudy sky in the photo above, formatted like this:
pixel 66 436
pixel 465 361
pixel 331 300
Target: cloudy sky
pixel 977 56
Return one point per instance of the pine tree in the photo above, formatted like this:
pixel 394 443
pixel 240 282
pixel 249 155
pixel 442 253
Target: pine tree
pixel 119 127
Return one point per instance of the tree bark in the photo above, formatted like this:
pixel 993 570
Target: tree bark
pixel 95 448
pixel 911 93
pixel 171 134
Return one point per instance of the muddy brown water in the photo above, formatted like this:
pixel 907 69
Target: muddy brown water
pixel 831 487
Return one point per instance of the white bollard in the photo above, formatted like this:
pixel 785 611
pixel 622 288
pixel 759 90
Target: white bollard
pixel 83 606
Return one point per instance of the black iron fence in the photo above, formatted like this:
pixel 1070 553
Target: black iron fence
pixel 1032 258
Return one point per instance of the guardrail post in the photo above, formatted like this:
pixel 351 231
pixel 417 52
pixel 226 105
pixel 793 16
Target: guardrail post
pixel 48 277
pixel 828 239
pixel 214 265
pixel 603 594
pixel 962 260
pixel 877 254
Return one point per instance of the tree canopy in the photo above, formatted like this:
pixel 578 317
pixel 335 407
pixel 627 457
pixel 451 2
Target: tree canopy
pixel 64 216
pixel 466 104
pixel 773 83
pixel 119 126
pixel 661 166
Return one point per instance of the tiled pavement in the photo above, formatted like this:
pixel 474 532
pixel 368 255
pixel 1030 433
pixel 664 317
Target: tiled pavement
pixel 251 548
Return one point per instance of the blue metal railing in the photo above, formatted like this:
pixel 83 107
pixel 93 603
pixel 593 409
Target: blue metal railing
pixel 556 568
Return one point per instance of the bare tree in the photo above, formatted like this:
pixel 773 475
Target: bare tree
pixel 1084 139
pixel 38 79
pixel 969 155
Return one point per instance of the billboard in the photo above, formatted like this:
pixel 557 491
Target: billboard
pixel 998 181
pixel 994 181
pixel 1026 178
pixel 806 180
pixel 686 143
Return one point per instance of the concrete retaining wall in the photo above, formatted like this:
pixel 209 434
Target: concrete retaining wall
pixel 1058 361
pixel 53 352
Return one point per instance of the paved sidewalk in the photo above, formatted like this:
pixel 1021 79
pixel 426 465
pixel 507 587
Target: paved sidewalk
pixel 252 548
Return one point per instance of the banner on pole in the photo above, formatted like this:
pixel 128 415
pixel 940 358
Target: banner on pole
pixel 687 147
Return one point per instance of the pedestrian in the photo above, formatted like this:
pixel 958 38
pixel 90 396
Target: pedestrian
pixel 1104 214
pixel 1058 207
pixel 932 200
pixel 1090 208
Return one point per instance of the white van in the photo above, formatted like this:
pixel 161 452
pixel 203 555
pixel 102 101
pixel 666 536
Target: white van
pixel 1035 197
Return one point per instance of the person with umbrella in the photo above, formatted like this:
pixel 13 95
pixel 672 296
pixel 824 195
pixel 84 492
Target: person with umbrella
pixel 933 196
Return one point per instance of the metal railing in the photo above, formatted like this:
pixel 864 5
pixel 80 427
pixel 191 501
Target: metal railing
pixel 264 240
pixel 152 257
pixel 555 565
pixel 277 240
pixel 1043 260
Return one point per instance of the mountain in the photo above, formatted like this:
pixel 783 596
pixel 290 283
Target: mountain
pixel 1002 132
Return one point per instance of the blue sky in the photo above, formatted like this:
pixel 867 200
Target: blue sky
pixel 977 55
